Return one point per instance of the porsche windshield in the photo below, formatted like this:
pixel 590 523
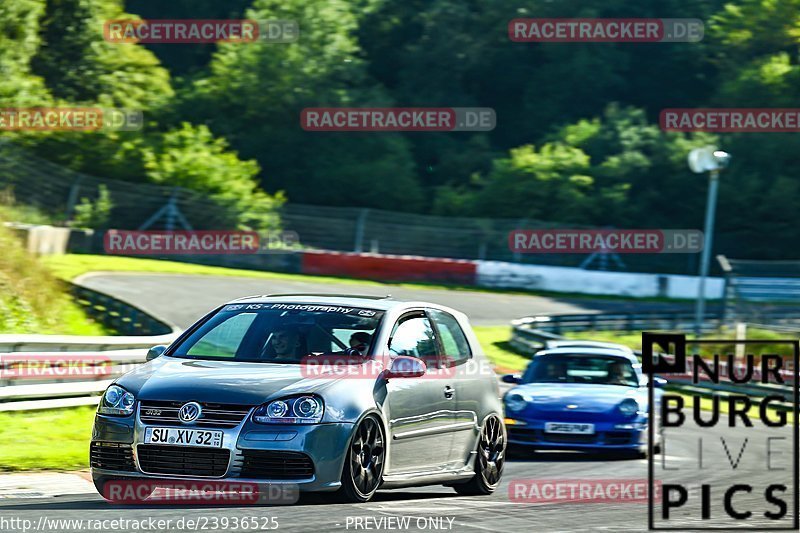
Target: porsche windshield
pixel 282 332
pixel 601 370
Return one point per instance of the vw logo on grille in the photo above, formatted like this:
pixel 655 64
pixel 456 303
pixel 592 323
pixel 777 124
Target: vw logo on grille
pixel 189 412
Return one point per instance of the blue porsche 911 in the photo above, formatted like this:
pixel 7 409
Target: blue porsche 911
pixel 587 398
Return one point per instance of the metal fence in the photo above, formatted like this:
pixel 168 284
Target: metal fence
pixel 751 284
pixel 56 190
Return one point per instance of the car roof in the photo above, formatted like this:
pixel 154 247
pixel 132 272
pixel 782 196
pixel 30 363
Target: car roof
pixel 551 345
pixel 589 351
pixel 380 303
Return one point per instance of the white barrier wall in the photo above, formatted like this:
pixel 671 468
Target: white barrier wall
pixel 567 279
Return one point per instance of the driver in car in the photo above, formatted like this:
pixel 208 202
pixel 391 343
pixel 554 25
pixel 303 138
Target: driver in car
pixel 617 374
pixel 283 345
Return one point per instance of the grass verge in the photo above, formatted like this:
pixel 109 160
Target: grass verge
pixel 55 439
pixel 32 300
pixel 494 340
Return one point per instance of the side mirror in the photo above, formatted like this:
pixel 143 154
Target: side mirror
pixel 155 351
pixel 406 367
pixel 511 378
pixel 658 382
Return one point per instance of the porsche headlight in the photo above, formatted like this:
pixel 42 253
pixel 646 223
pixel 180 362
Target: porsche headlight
pixel 629 407
pixel 116 401
pixel 297 410
pixel 515 402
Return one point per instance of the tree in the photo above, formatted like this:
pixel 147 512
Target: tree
pixel 256 93
pixel 192 158
pixel 19 41
pixel 78 65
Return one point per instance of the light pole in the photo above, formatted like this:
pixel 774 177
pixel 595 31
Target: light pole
pixel 710 160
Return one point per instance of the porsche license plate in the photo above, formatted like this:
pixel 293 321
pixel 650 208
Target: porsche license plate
pixel 573 429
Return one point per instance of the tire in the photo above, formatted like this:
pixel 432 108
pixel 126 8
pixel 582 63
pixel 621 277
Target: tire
pixel 364 462
pixel 489 461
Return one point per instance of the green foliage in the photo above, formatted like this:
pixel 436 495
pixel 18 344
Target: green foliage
pixel 94 214
pixel 577 140
pixel 266 86
pixel 19 41
pixel 191 157
pixel 80 66
pixel 31 298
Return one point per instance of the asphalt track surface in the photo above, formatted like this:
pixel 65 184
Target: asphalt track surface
pixel 181 299
pixel 497 512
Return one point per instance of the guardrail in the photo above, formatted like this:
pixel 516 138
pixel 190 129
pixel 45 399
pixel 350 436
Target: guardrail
pixel 49 371
pixel 44 380
pixel 657 320
pixel 117 315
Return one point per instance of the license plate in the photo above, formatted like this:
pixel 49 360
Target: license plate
pixel 575 429
pixel 183 437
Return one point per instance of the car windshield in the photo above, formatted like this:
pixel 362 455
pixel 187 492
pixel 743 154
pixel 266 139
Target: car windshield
pixel 282 333
pixel 578 368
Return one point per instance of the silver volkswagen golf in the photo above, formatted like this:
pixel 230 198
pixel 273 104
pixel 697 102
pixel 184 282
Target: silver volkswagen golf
pixel 346 394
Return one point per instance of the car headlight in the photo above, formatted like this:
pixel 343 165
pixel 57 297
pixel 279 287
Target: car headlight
pixel 516 402
pixel 296 410
pixel 116 401
pixel 629 407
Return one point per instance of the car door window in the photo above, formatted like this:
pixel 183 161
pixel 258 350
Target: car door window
pixel 454 342
pixel 414 336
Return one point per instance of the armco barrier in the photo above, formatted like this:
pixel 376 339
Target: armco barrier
pixel 117 315
pixel 500 274
pixel 60 389
pixel 389 267
pixel 53 389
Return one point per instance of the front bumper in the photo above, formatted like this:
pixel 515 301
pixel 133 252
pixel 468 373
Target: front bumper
pixel 325 444
pixel 607 436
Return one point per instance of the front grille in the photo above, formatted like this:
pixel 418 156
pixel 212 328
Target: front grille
pixel 214 415
pixel 619 437
pixel 267 464
pixel 112 456
pixel 602 437
pixel 520 434
pixel 566 438
pixel 183 461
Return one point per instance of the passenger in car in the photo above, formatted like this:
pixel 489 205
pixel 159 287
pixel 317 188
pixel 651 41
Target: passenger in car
pixel 360 341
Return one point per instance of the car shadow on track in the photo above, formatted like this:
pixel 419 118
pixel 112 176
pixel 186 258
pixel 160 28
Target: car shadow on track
pixel 528 456
pixel 306 499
